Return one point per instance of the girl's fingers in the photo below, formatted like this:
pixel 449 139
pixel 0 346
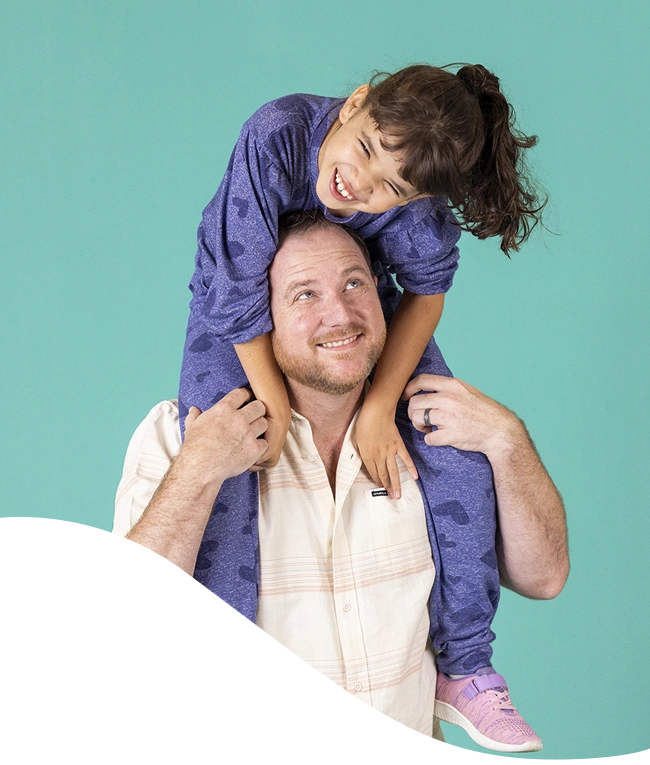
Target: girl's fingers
pixel 408 462
pixel 395 489
pixel 384 477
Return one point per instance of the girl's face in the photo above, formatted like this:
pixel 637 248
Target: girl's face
pixel 354 171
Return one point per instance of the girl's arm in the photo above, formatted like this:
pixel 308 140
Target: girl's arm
pixel 265 378
pixel 378 438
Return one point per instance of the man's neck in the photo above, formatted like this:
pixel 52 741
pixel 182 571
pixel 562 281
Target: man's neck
pixel 330 416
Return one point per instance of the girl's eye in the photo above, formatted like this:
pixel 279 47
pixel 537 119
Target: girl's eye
pixel 365 148
pixel 353 283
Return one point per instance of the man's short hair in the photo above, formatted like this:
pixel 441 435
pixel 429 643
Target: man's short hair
pixel 301 221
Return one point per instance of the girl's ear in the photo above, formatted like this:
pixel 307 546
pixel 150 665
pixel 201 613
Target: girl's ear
pixel 354 103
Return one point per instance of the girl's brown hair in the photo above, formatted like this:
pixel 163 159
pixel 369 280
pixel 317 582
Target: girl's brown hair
pixel 458 136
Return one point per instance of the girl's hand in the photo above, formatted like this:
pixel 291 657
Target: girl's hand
pixel 379 444
pixel 278 417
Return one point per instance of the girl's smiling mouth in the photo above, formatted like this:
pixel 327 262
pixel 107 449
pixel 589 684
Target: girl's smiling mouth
pixel 340 190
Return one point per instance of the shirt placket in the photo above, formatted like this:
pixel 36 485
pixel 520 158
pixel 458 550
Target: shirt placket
pixel 346 603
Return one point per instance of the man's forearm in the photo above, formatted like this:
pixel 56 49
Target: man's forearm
pixel 532 540
pixel 174 521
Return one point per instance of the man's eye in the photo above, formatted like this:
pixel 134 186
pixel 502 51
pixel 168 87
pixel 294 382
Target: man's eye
pixel 305 295
pixel 365 148
pixel 353 283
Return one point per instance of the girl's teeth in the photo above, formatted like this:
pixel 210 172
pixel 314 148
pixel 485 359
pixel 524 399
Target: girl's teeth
pixel 341 188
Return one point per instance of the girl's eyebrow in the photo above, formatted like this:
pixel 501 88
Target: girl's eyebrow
pixel 371 146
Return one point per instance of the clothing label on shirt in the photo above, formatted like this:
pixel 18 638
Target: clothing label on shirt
pixel 379 493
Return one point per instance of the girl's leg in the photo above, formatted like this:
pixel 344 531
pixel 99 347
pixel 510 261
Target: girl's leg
pixel 227 563
pixel 458 493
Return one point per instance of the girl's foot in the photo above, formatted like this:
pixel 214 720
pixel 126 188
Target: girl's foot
pixel 481 705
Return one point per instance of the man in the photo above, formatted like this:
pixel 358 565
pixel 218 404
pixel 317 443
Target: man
pixel 346 573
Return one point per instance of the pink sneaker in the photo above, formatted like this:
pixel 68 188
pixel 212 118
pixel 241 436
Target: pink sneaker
pixel 481 705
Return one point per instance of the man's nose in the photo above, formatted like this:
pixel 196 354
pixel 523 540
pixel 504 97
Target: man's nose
pixel 337 312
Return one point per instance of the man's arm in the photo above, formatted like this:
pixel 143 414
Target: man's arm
pixel 532 538
pixel 220 443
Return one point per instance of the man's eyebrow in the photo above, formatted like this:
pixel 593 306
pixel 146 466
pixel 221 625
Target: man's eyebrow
pixel 371 146
pixel 298 284
pixel 357 268
pixel 301 284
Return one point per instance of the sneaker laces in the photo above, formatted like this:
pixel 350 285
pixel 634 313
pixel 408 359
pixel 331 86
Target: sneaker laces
pixel 500 698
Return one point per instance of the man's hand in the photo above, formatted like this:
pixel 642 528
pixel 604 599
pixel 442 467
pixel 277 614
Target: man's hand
pixel 379 443
pixel 464 417
pixel 223 441
pixel 220 443
pixel 532 535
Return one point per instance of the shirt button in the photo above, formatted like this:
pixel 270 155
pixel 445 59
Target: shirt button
pixel 358 687
pixel 312 457
pixel 347 607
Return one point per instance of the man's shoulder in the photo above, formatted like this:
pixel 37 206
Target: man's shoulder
pixel 158 437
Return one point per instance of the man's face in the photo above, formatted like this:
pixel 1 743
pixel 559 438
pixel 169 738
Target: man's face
pixel 329 329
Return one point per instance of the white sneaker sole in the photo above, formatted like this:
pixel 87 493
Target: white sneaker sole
pixel 446 712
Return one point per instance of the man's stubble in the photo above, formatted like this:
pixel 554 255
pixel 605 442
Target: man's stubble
pixel 308 371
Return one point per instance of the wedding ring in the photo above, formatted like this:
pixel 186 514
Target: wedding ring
pixel 427 422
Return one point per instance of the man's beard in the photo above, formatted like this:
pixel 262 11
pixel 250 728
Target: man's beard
pixel 317 375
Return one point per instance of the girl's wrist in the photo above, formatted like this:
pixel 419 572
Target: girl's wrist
pixel 379 407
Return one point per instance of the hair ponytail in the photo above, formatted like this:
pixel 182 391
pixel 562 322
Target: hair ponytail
pixel 458 137
pixel 500 199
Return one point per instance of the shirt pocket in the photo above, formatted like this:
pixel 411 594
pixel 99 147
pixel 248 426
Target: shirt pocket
pixel 398 528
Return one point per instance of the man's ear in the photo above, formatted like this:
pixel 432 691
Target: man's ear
pixel 354 103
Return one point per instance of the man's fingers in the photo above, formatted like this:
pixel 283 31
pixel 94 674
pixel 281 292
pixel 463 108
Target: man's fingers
pixel 437 438
pixel 192 414
pixel 254 410
pixel 237 397
pixel 263 446
pixel 430 384
pixel 259 426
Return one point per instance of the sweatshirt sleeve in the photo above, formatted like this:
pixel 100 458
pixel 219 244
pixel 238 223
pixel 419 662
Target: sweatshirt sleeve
pixel 422 251
pixel 237 240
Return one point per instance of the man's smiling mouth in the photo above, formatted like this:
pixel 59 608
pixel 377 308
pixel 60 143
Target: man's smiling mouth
pixel 339 343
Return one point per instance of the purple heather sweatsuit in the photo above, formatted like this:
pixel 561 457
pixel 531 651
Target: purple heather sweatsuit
pixel 273 170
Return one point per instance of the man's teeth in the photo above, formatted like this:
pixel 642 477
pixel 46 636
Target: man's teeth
pixel 338 343
pixel 341 188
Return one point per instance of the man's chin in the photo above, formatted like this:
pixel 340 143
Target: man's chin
pixel 325 380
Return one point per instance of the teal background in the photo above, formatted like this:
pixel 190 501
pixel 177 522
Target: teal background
pixel 116 123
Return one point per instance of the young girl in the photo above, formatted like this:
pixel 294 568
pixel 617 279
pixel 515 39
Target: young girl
pixel 390 161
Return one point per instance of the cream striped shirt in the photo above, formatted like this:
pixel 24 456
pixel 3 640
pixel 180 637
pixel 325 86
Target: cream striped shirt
pixel 345 579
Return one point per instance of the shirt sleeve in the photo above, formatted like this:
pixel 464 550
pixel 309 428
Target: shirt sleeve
pixel 151 450
pixel 237 240
pixel 422 255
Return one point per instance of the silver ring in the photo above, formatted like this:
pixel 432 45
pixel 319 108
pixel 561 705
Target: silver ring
pixel 427 422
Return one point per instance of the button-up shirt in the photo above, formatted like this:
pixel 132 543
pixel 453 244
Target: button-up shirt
pixel 345 576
